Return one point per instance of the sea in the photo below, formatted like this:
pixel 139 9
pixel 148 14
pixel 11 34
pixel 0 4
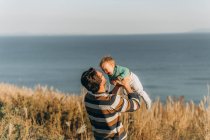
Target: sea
pixel 167 64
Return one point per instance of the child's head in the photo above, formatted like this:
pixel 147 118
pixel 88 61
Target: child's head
pixel 107 64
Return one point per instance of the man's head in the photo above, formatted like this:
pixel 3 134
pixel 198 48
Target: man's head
pixel 107 64
pixel 93 80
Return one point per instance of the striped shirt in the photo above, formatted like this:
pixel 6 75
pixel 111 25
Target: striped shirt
pixel 104 113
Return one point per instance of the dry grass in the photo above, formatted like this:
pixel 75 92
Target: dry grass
pixel 44 113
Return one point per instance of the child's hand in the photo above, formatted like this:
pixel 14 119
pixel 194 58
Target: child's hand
pixel 126 84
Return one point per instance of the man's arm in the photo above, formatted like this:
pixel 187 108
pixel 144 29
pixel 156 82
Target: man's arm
pixel 122 104
pixel 115 89
pixel 124 83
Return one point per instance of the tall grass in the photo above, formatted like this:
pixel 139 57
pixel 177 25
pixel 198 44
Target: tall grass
pixel 44 113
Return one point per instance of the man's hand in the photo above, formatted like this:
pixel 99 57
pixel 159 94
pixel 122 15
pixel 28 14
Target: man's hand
pixel 127 79
pixel 116 82
pixel 126 84
pixel 115 89
pixel 113 82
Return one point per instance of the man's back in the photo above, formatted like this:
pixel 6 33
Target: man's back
pixel 104 113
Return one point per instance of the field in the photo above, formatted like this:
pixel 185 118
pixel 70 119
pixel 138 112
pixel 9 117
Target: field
pixel 45 113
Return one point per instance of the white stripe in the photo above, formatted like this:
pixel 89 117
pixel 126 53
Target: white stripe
pixel 125 105
pixel 99 107
pixel 116 102
pixel 99 94
pixel 134 105
pixel 124 137
pixel 136 100
pixel 107 120
pixel 104 107
pixel 108 131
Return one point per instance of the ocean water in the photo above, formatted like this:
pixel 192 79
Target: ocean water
pixel 167 64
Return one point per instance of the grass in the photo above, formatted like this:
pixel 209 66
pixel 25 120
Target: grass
pixel 44 113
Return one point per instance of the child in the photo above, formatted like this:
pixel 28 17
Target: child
pixel 118 73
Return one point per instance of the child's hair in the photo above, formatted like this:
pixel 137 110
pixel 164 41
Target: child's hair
pixel 107 59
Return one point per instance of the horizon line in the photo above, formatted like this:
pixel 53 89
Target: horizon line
pixel 115 34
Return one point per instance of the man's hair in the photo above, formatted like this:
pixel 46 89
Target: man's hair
pixel 90 80
pixel 107 59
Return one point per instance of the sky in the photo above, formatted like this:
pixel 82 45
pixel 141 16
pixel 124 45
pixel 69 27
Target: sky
pixel 78 17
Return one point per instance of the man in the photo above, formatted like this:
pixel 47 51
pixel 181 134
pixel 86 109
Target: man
pixel 104 108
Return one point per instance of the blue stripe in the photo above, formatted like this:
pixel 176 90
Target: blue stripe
pixel 131 109
pixel 133 95
pixel 104 126
pixel 115 137
pixel 121 136
pixel 93 100
pixel 98 113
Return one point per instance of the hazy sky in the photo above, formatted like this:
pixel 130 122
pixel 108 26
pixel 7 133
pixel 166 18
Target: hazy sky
pixel 102 16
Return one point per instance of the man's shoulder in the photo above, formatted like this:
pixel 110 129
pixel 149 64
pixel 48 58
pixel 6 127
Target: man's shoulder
pixel 102 98
pixel 99 96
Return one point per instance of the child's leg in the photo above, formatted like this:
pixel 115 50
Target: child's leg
pixel 137 87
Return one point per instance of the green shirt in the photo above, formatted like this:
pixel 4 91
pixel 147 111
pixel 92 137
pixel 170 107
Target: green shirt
pixel 119 73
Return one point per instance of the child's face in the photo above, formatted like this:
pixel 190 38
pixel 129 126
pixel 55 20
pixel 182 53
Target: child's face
pixel 108 68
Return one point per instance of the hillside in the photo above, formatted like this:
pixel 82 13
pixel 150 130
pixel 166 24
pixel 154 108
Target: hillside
pixel 43 113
